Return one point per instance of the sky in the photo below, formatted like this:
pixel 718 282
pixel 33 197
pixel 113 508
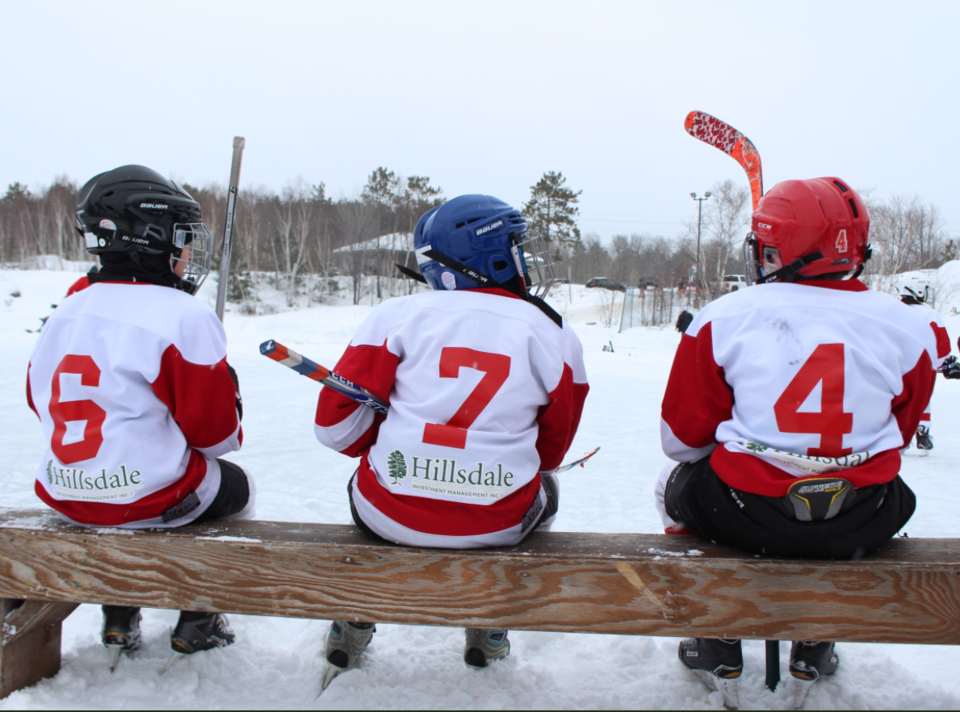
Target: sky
pixel 485 96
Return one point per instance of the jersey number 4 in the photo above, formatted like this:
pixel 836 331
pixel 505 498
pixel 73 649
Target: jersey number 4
pixel 64 412
pixel 496 368
pixel 825 366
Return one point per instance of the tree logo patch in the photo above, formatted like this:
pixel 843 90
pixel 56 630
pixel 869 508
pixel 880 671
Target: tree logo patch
pixel 396 467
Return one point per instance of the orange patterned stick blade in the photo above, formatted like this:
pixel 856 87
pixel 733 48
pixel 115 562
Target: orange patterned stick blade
pixel 723 136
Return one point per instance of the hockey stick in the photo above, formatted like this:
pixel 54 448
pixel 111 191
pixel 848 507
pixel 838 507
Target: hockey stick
pixel 238 144
pixel 719 134
pixel 312 370
pixel 581 461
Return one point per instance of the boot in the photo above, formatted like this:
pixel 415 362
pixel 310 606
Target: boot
pixel 718 663
pixel 484 646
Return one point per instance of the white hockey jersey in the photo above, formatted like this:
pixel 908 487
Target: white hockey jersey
pixel 485 392
pixel 799 380
pixel 131 386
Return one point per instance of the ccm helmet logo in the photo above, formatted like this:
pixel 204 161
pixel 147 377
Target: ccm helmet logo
pixel 764 226
pixel 487 228
pixel 154 206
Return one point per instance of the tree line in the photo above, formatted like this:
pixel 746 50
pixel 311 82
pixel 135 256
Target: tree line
pixel 301 231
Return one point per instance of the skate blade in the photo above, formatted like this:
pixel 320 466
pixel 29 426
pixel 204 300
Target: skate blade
pixel 924 453
pixel 173 658
pixel 328 676
pixel 798 692
pixel 113 651
pixel 727 687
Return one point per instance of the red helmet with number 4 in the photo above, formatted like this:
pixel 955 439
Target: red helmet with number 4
pixel 807 228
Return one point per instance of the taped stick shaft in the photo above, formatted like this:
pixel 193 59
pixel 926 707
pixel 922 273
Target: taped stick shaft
pixel 314 371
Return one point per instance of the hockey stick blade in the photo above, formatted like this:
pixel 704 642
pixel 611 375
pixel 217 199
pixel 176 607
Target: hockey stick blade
pixel 723 136
pixel 581 461
pixel 314 371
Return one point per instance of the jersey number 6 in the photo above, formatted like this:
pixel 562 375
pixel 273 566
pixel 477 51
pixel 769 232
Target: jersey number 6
pixel 64 412
pixel 824 366
pixel 496 368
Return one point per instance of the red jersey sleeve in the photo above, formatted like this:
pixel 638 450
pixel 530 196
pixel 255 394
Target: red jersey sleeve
pixel 202 400
pixel 342 423
pixel 909 406
pixel 697 399
pixel 558 421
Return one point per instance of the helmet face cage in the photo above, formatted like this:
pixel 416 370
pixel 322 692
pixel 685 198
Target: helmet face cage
pixel 751 259
pixel 197 238
pixel 534 263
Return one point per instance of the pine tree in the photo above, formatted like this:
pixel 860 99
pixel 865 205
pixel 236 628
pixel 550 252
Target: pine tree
pixel 949 251
pixel 552 210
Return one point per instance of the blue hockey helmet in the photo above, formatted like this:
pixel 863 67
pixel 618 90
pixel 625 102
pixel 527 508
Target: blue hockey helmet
pixel 486 235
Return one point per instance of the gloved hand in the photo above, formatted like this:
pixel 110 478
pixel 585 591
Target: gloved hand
pixel 950 367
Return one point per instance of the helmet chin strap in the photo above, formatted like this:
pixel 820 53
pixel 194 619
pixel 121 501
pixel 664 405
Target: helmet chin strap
pixel 486 282
pixel 792 269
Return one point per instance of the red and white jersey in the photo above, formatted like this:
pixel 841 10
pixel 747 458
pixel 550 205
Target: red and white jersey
pixel 131 386
pixel 485 392
pixel 800 380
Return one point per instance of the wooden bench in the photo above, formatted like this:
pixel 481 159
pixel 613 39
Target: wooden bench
pixel 628 584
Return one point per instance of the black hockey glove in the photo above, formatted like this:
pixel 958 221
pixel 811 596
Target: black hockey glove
pixel 236 382
pixel 950 367
pixel 683 321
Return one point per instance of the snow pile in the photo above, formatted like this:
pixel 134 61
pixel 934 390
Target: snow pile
pixel 276 662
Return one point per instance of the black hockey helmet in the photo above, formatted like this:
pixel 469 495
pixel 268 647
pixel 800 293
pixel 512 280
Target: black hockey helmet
pixel 134 214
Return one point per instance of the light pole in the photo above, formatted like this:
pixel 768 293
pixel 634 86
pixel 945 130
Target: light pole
pixel 706 196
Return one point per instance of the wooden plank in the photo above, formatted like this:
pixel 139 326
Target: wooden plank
pixel 30 648
pixel 639 584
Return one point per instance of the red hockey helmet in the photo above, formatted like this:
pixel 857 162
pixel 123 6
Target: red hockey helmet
pixel 807 228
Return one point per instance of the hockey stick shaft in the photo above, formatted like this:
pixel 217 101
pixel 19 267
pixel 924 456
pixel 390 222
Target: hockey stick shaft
pixel 238 145
pixel 314 371
pixel 723 136
pixel 772 677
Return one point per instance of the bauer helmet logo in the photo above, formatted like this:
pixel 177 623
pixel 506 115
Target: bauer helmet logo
pixel 842 241
pixel 154 206
pixel 487 228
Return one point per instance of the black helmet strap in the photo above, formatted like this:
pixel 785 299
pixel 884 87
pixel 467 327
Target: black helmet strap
pixel 790 272
pixel 484 282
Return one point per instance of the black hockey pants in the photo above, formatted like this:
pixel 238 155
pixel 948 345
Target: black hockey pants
pixel 699 500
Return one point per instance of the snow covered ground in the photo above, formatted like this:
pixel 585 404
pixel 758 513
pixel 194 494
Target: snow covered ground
pixel 276 662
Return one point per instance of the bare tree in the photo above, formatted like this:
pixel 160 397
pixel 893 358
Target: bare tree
pixel 357 221
pixel 725 222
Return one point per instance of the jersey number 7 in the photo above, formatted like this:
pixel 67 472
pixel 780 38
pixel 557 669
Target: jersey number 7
pixel 825 366
pixel 496 368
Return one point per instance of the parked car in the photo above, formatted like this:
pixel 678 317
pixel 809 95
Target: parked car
pixel 605 283
pixel 647 283
pixel 733 282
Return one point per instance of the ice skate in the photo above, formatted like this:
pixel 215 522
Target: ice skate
pixel 484 646
pixel 345 642
pixel 120 632
pixel 809 661
pixel 924 440
pixel 196 632
pixel 718 664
